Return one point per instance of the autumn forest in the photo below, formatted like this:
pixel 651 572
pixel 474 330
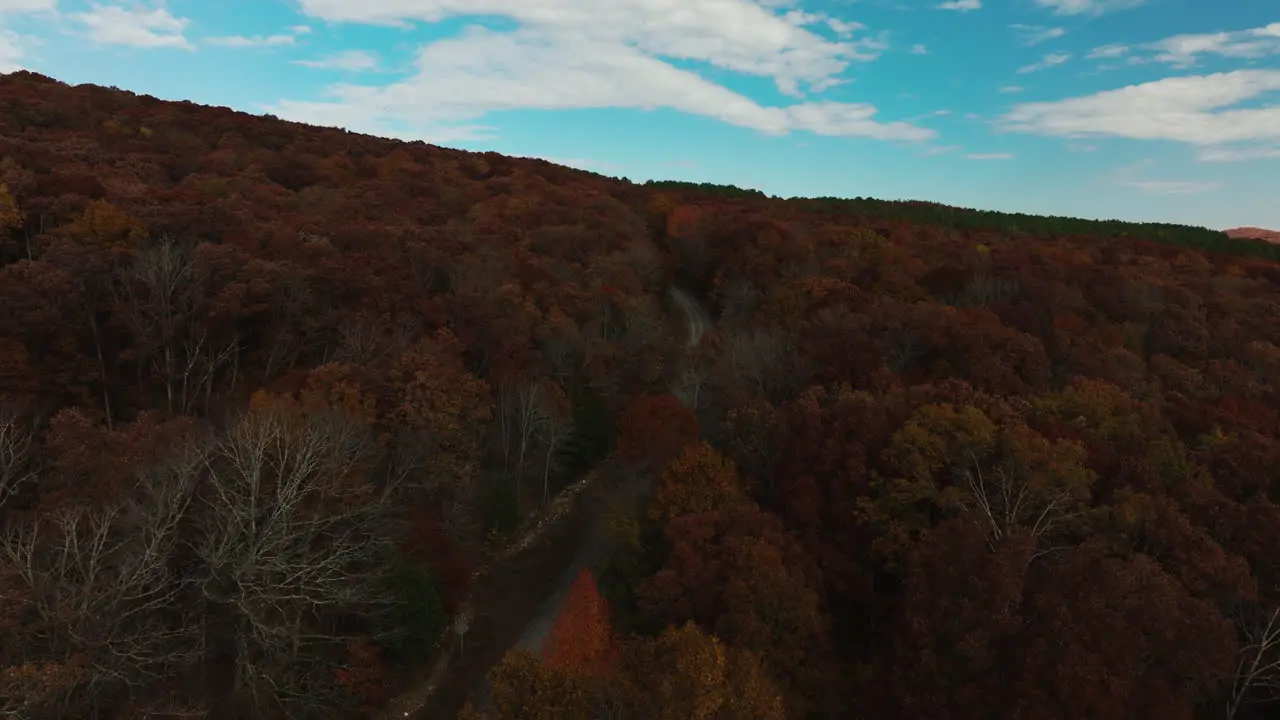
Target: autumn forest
pixel 301 423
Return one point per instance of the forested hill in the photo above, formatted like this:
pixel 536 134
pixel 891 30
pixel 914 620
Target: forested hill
pixel 936 214
pixel 271 395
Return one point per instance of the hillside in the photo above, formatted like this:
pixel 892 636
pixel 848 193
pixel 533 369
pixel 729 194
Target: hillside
pixel 1253 233
pixel 279 403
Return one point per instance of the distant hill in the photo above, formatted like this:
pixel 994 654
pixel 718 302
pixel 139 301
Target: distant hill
pixel 1254 233
pixel 932 214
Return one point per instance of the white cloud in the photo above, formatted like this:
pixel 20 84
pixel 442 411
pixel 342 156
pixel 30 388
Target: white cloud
pixel 141 28
pixel 1124 176
pixel 251 41
pixel 11 51
pixel 350 60
pixel 736 35
pixel 1048 61
pixel 1238 154
pixel 931 114
pixel 961 5
pixel 1088 7
pixel 586 54
pixel 937 150
pixel 1009 89
pixel 288 38
pixel 1182 50
pixel 1195 109
pixel 990 156
pixel 13 47
pixel 1171 187
pixel 1036 34
pixel 841 27
pixel 17 6
pixel 919 50
pixel 1107 52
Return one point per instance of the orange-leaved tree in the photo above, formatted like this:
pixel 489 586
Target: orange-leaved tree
pixel 10 215
pixel 699 480
pixel 686 673
pixel 524 688
pixel 582 637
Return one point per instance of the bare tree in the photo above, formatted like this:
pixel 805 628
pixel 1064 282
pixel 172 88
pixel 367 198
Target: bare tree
pixel 281 525
pixel 986 287
pixel 361 339
pixel 1015 497
pixel 556 427
pixel 1257 677
pixel 519 414
pixel 533 418
pixel 566 353
pixel 366 337
pixel 693 378
pixel 292 299
pixel 293 529
pixel 760 356
pixel 94 272
pixel 162 304
pixel 99 588
pixel 16 467
pixel 202 362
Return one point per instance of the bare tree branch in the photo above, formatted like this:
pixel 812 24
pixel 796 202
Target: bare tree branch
pixel 1011 497
pixel 1257 676
pixel 16 467
pixel 292 526
pixel 100 588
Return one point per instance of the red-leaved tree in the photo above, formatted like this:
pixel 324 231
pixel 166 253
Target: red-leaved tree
pixel 582 638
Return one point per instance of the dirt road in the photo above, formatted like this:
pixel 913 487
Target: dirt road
pixel 596 543
pixel 515 600
pixel 695 315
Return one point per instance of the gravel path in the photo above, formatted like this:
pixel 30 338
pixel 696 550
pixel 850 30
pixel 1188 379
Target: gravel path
pixel 596 543
pixel 516 599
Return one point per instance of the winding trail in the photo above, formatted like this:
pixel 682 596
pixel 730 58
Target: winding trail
pixel 695 315
pixel 516 597
pixel 596 542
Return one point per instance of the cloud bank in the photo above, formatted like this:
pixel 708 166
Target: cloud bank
pixel 574 54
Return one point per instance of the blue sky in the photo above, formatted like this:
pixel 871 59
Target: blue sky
pixel 1162 110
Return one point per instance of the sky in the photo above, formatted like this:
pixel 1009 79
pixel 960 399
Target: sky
pixel 1145 110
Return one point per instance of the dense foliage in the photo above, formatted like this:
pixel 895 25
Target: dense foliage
pixel 270 392
pixel 988 475
pixel 871 210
